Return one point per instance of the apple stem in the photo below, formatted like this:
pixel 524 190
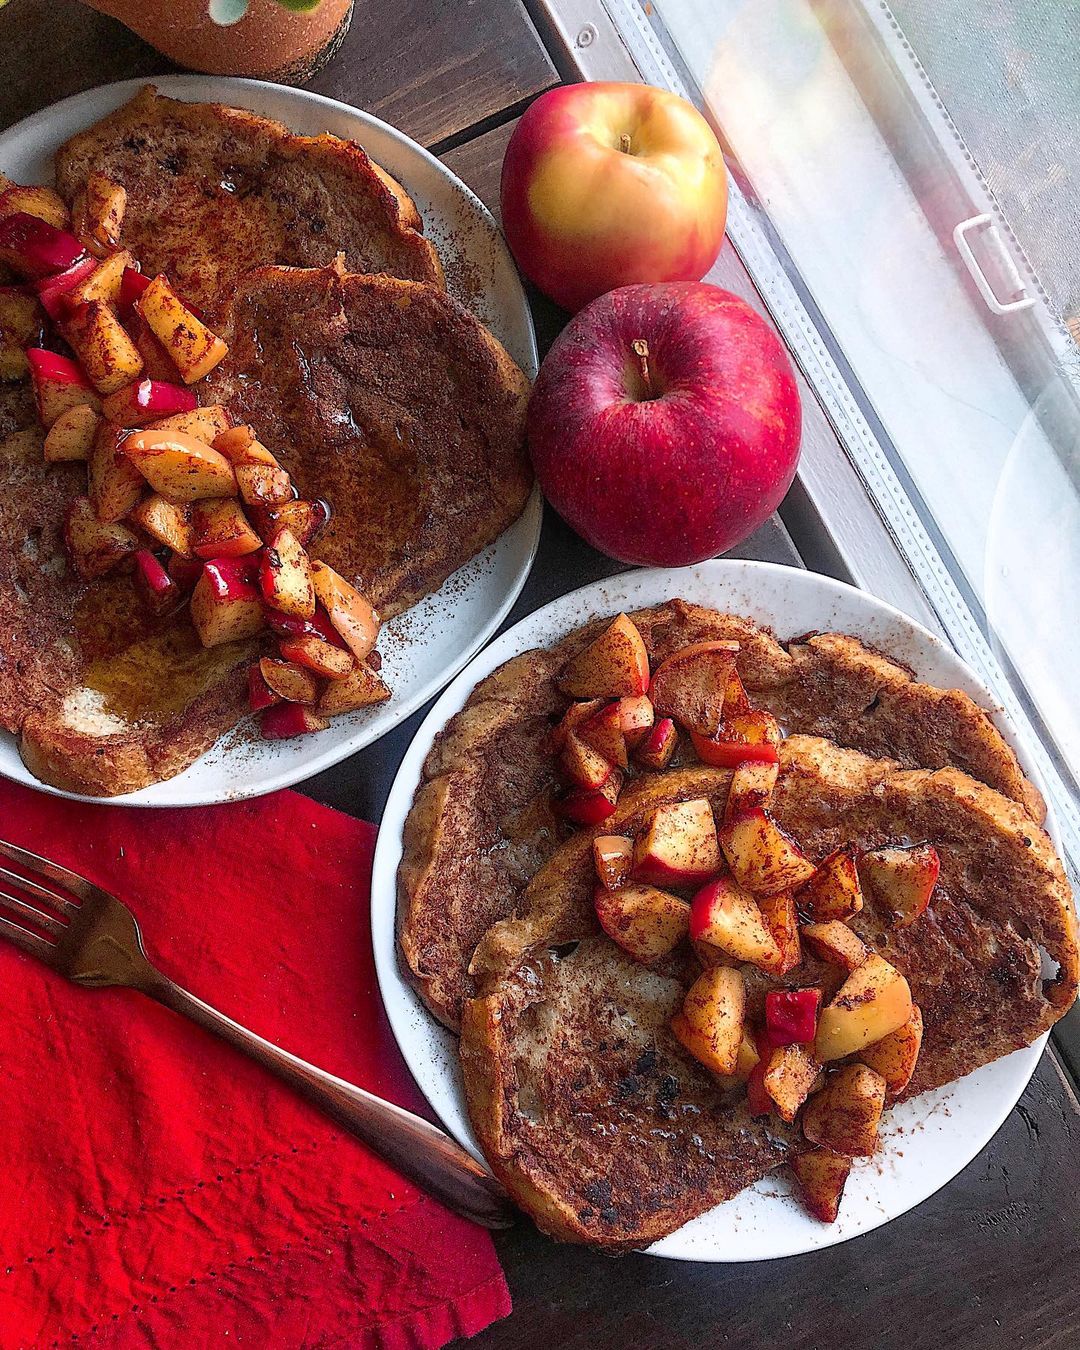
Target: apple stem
pixel 624 142
pixel 641 351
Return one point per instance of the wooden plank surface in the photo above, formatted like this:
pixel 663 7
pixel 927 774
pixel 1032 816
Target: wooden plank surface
pixel 433 68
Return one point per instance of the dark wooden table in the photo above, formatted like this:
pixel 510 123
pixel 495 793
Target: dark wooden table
pixel 991 1260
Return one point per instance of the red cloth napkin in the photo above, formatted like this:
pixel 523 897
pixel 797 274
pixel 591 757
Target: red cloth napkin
pixel 157 1188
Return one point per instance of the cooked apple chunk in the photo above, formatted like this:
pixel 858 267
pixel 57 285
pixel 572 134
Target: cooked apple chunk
pixel 194 349
pixel 361 688
pixel 40 202
pixel 225 606
pixel 744 1066
pixel 581 765
pixel 103 283
pixel 690 685
pixel 835 942
pixel 711 1023
pixel 322 658
pixel 895 1055
pixel 179 466
pixel 603 733
pixel 95 546
pixel 285 575
pixel 845 1114
pixel 724 915
pixel 611 666
pixel 115 483
pixel 98 213
pixel 71 436
pixel 821 1176
pixel 761 855
pixel 678 845
pixel 752 785
pixel 205 424
pixel 657 747
pixel 791 1073
pixel 782 921
pixel 590 806
pixel 106 353
pixel 613 855
pixel 833 892
pixel 645 922
pixel 575 715
pixel 350 612
pixel 636 717
pixel 58 384
pixel 262 480
pixel 873 1002
pixel 221 530
pixel 288 680
pixel 902 878
pixel 166 522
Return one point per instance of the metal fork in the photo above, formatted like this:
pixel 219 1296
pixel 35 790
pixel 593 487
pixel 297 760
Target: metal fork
pixel 89 936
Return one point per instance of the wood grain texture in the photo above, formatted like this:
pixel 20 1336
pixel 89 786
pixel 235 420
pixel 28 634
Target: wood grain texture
pixel 433 68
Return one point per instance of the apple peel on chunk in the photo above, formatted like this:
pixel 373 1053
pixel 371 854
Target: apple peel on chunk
pixel 225 606
pixel 678 846
pixel 611 666
pixel 726 916
pixel 221 530
pixel 590 806
pixel 656 748
pixel 903 878
pixel 895 1055
pixel 845 1114
pixel 712 1020
pixel 645 922
pixel 690 685
pixel 873 1002
pixel 752 786
pixel 762 857
pixel 821 1176
pixel 833 892
pixel 613 856
pixel 835 942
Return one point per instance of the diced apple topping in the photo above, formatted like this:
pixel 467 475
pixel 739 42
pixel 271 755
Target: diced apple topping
pixel 581 765
pixel 179 466
pixel 678 845
pixel 36 249
pixel 147 401
pixel 646 922
pixel 835 942
pixel 636 717
pixel 789 1077
pixel 361 688
pixel 102 282
pixel 99 212
pixel 751 736
pixel 575 715
pixel 288 680
pixel 782 920
pixel 690 685
pixel 322 658
pixel 590 806
pixel 21 318
pixel 205 424
pixel 895 1055
pixel 71 436
pixel 307 520
pixel 873 1002
pixel 791 1016
pixel 821 1176
pixel 41 202
pixel 611 666
pixel 656 747
pixel 613 856
pixel 711 1022
pixel 54 293
pixel 194 349
pixel 115 483
pixel 58 384
pixel 603 733
pixel 260 695
pixel 158 589
pixel 106 353
pixel 285 575
pixel 262 480
pixel 844 1115
pixel 225 606
pixel 350 612
pixel 833 892
pixel 221 530
pixel 761 855
pixel 724 915
pixel 166 522
pixel 752 785
pixel 745 1065
pixel 286 720
pixel 902 878
pixel 94 546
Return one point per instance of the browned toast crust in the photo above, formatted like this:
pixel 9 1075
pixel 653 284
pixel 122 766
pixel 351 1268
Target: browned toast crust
pixel 214 191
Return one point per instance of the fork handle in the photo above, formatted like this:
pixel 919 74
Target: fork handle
pixel 420 1150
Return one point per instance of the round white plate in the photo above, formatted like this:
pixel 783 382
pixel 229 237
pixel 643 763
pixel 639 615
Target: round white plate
pixel 421 649
pixel 927 1141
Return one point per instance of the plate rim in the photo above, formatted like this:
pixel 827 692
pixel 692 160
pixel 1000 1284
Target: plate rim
pixel 400 1000
pixel 529 522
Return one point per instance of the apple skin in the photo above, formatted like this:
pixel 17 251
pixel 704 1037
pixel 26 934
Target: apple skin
pixel 683 470
pixel 583 215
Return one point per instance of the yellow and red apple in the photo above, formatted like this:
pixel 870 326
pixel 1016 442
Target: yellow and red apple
pixel 604 185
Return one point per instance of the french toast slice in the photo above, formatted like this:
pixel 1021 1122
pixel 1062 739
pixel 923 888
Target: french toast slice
pixel 214 191
pixel 593 1116
pixel 480 820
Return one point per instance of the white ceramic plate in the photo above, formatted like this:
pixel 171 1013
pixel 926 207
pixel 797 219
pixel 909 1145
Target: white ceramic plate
pixel 926 1141
pixel 425 647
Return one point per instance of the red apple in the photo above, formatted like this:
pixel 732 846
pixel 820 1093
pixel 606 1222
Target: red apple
pixel 665 423
pixel 608 184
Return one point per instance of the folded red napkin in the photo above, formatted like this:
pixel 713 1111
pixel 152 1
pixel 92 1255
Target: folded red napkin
pixel 158 1189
